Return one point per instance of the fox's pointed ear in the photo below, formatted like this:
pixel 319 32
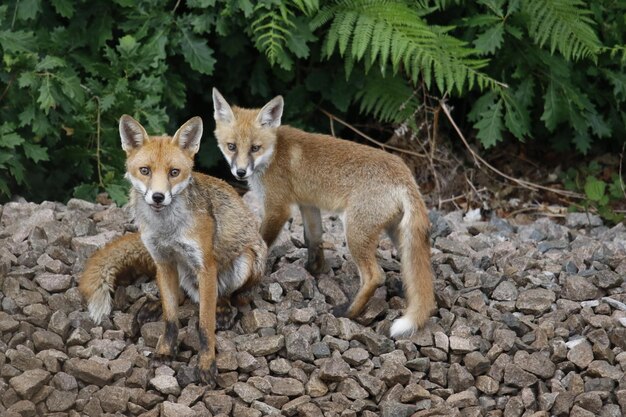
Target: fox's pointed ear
pixel 222 110
pixel 132 133
pixel 189 135
pixel 271 113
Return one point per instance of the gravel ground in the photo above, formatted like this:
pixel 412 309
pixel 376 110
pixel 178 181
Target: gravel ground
pixel 531 322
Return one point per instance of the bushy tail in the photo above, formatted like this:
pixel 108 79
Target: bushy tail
pixel 123 259
pixel 416 269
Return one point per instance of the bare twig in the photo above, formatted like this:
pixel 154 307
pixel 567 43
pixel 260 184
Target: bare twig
pixel 98 129
pixel 6 90
pixel 478 160
pixel 363 135
pixel 621 179
pixel 176 6
pixel 458 197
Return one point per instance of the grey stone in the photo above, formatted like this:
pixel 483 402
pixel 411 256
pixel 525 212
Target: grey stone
pixel 166 384
pixel 246 392
pixel 29 382
pixel 114 399
pixel 298 347
pixel 286 386
pixel 334 369
pixel 578 288
pixel 170 409
pixel 581 354
pixel 263 346
pixel 537 300
pixel 396 409
pixel 54 282
pixel 536 363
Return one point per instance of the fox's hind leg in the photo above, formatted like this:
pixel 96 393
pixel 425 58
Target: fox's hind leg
pixel 240 282
pixel 152 310
pixel 362 233
pixel 312 222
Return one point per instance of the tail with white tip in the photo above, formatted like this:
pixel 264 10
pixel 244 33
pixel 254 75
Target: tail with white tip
pixel 417 273
pixel 123 259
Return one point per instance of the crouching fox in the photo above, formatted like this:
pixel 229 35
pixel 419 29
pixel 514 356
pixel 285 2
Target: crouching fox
pixel 373 191
pixel 198 231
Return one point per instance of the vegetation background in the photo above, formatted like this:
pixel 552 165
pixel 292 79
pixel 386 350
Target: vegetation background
pixel 546 73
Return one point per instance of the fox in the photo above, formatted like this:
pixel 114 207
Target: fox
pixel 372 190
pixel 199 233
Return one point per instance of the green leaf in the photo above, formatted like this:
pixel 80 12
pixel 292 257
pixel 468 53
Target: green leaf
pixel 17 170
pixel 118 193
pixel 45 99
pixel 4 188
pixel 35 152
pixel 481 106
pixel 516 118
pixel 127 45
pixel 594 188
pixel 64 7
pixel 28 9
pixel 200 4
pixel 553 107
pixel 197 53
pixel 491 40
pixel 27 116
pixel 50 62
pixel 246 6
pixel 490 125
pixel 11 140
pixel 17 41
pixel 299 37
pixel 582 141
pixel 598 125
pixel 86 192
pixel 618 80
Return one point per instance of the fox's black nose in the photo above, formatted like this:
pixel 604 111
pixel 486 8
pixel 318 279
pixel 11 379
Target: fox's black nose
pixel 241 173
pixel 158 198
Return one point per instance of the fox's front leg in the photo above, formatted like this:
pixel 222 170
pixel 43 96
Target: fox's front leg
pixel 273 221
pixel 207 287
pixel 312 222
pixel 167 281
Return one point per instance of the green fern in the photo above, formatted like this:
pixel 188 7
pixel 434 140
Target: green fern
pixel 565 24
pixel 393 33
pixel 389 99
pixel 275 23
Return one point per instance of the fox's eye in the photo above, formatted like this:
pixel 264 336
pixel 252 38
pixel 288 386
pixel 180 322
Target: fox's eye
pixel 174 172
pixel 144 171
pixel 255 148
pixel 232 147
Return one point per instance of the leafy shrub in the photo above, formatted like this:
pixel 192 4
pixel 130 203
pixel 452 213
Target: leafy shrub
pixel 70 68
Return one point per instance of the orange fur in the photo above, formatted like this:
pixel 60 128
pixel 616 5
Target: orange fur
pixel 373 190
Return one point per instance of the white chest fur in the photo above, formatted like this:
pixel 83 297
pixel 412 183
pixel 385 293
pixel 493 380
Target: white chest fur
pixel 166 235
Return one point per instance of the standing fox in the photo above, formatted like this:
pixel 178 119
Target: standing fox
pixel 374 191
pixel 196 228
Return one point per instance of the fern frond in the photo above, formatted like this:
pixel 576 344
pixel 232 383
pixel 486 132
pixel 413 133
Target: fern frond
pixel 389 99
pixel 273 24
pixel 565 25
pixel 394 33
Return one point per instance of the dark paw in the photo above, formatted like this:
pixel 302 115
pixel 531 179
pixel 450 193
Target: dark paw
pixel 150 311
pixel 243 298
pixel 208 375
pixel 165 350
pixel 341 310
pixel 225 317
pixel 317 266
